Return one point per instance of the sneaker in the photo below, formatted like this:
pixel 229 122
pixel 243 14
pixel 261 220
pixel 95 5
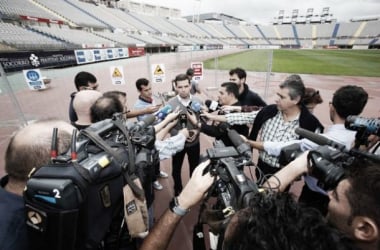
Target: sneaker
pixel 157 185
pixel 163 174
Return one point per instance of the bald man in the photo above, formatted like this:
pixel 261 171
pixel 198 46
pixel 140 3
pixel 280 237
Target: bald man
pixel 29 148
pixel 82 105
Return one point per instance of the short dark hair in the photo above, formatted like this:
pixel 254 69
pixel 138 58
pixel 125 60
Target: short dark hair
pixel 180 77
pixel 364 192
pixel 115 93
pixel 295 85
pixel 349 100
pixel 276 221
pixel 239 72
pixel 190 72
pixel 105 107
pixel 231 88
pixel 141 82
pixel 83 78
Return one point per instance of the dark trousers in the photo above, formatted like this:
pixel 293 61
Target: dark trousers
pixel 177 161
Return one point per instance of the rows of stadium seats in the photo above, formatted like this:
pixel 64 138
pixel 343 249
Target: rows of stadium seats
pixel 90 25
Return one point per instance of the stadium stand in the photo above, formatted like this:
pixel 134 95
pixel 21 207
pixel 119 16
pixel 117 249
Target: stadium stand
pixel 44 24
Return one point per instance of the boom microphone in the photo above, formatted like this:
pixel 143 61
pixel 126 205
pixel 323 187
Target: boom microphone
pixel 319 139
pixel 242 147
pixel 212 105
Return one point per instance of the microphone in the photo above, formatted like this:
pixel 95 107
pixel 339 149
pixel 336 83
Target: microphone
pixel 141 125
pixel 163 112
pixel 195 106
pixel 242 147
pixel 212 105
pixel 319 139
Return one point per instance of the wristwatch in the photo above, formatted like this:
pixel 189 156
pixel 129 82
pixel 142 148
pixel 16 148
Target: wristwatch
pixel 175 208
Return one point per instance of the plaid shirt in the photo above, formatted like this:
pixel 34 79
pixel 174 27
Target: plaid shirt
pixel 241 118
pixel 276 129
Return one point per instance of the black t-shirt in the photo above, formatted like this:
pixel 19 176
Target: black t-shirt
pixel 250 98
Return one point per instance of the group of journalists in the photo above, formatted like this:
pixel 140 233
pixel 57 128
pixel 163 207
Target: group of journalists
pixel 337 208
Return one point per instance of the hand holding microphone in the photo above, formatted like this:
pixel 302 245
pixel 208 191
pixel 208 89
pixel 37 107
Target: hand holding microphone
pixel 162 113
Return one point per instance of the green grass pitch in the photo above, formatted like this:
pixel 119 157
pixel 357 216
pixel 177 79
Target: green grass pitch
pixel 322 62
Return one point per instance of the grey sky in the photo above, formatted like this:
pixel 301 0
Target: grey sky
pixel 263 11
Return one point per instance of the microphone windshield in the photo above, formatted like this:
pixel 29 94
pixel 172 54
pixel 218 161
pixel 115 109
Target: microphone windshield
pixel 242 147
pixel 195 106
pixel 162 113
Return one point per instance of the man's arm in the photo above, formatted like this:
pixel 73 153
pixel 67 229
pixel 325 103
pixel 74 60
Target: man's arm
pixel 144 111
pixel 162 232
pixel 213 117
pixel 283 178
pixel 241 118
pixel 168 119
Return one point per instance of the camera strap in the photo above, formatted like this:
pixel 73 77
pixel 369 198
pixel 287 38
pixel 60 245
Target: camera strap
pixel 103 145
pixel 132 168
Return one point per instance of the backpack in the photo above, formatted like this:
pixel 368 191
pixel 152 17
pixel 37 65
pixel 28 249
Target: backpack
pixel 77 201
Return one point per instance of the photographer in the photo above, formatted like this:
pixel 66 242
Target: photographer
pixel 29 148
pixel 354 205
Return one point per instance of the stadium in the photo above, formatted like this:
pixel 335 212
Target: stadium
pixel 63 37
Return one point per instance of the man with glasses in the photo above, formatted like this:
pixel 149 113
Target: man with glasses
pixel 83 81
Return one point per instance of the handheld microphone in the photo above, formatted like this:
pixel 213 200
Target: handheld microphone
pixel 195 106
pixel 242 147
pixel 163 112
pixel 319 139
pixel 212 105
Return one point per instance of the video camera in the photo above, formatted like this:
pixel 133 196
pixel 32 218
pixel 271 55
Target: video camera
pixel 76 201
pixel 329 160
pixel 233 189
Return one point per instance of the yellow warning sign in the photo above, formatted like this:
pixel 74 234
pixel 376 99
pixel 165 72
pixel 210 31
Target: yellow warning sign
pixel 158 70
pixel 117 73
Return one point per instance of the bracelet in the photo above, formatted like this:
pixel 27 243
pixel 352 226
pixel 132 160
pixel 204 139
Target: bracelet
pixel 175 208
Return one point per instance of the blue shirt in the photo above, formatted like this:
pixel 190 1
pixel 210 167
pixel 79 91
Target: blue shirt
pixel 13 232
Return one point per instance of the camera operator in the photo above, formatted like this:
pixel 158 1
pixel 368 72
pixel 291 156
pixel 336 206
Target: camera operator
pixel 106 106
pixel 271 221
pixel 29 148
pixel 228 95
pixel 354 204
